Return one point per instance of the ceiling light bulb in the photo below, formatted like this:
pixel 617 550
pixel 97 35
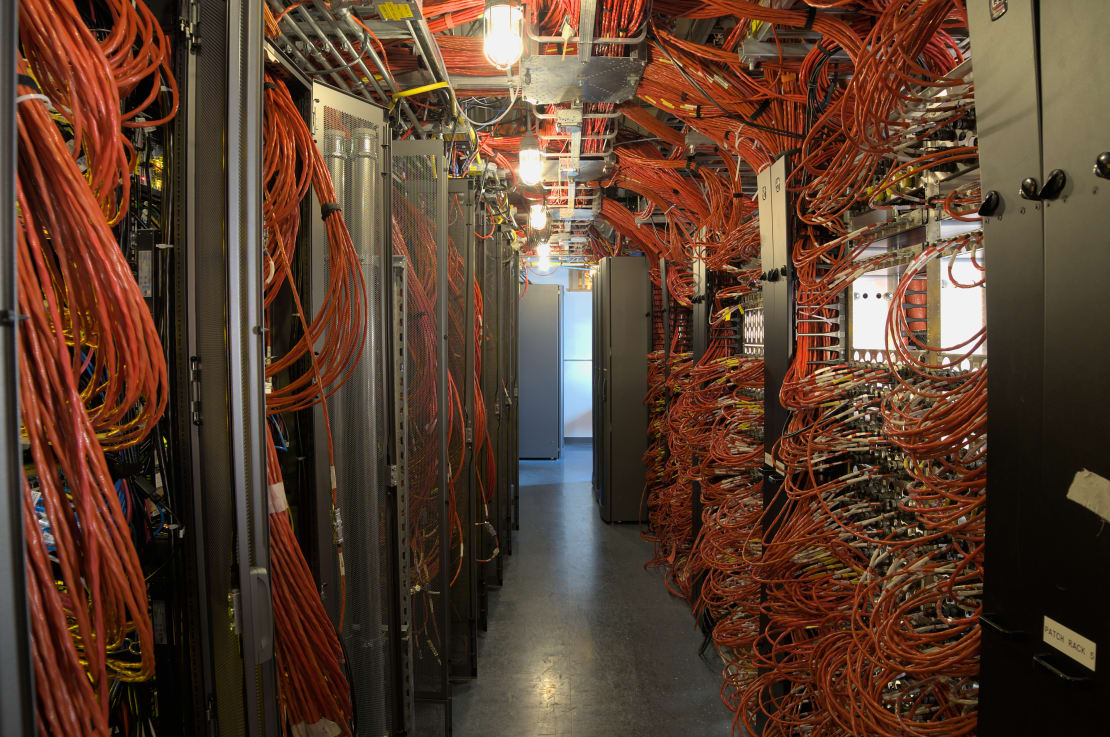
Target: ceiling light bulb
pixel 537 217
pixel 531 161
pixel 504 41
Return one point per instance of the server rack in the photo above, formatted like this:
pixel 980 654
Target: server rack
pixel 622 335
pixel 349 133
pixel 502 272
pixel 419 207
pixel 541 357
pixel 231 637
pixel 1041 106
pixel 490 469
pixel 464 484
pixel 699 338
pixel 16 672
pixel 511 516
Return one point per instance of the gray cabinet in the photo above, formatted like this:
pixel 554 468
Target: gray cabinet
pixel 622 325
pixel 540 353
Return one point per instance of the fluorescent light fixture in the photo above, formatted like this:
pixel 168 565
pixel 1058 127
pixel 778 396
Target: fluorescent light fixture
pixel 504 40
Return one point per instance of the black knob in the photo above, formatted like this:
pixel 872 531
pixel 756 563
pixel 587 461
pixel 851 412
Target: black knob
pixel 991 202
pixel 1029 189
pixel 1054 185
pixel 1102 165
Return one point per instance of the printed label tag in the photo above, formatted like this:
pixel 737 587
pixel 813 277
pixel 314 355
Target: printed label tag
pixel 998 8
pixel 1070 643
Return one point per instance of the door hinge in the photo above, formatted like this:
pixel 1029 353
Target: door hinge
pixel 234 611
pixel 190 24
pixel 194 389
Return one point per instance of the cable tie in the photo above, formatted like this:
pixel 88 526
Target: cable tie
pixel 761 109
pixel 328 208
pixel 811 15
pixel 269 85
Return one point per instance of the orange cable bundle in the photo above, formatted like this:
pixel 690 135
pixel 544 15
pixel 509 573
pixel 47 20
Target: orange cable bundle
pixel 312 685
pixel 93 378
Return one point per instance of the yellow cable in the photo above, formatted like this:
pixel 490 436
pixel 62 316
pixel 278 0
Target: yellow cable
pixel 416 91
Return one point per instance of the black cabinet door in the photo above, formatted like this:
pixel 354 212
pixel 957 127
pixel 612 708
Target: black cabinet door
pixel 1070 560
pixel 1006 75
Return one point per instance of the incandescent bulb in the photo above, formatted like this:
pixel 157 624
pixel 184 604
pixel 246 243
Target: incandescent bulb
pixel 531 160
pixel 504 42
pixel 537 217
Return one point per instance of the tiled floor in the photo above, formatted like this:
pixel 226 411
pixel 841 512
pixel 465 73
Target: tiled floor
pixel 582 641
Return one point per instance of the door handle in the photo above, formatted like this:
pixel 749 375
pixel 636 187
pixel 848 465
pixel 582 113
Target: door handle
pixel 988 621
pixel 1050 190
pixel 1045 663
pixel 991 202
pixel 1102 165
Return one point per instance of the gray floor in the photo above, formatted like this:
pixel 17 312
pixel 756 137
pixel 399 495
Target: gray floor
pixel 582 641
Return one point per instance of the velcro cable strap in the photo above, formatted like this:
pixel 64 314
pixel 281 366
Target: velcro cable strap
pixel 328 208
pixel 811 15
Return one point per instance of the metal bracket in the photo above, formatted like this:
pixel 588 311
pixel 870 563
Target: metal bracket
pixel 263 614
pixel 550 79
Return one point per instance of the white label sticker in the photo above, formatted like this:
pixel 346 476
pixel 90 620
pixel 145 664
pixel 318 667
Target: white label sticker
pixel 1070 643
pixel 1091 491
pixel 278 501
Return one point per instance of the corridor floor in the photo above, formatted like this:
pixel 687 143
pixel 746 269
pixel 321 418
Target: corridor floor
pixel 582 641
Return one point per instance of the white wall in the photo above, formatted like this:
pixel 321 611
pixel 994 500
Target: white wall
pixel 577 325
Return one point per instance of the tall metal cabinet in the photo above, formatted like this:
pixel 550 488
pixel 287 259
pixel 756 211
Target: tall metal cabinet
pixel 622 339
pixel 540 354
pixel 1041 76
pixel 419 201
pixel 350 134
pixel 461 228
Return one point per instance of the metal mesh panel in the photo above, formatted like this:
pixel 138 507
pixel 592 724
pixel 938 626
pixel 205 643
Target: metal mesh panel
pixel 351 149
pixel 418 209
pixel 489 471
pixel 510 502
pixel 462 436
pixel 499 507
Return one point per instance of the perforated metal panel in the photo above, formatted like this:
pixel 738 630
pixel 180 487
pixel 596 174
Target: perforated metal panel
pixel 488 464
pixel 347 131
pixel 462 434
pixel 223 239
pixel 420 219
